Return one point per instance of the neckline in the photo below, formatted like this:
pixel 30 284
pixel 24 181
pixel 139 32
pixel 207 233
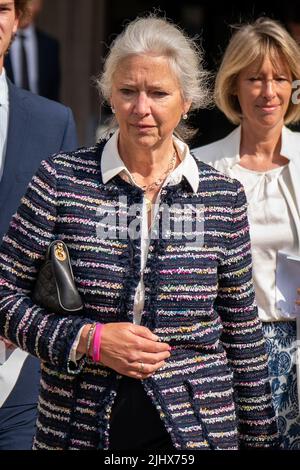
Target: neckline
pixel 267 172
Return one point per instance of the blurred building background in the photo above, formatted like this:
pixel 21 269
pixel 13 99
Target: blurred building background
pixel 85 29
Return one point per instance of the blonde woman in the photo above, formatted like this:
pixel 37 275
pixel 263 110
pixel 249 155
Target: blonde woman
pixel 254 89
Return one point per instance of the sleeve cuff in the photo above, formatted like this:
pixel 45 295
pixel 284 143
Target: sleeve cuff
pixel 74 356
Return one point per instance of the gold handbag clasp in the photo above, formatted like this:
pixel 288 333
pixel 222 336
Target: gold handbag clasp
pixel 59 252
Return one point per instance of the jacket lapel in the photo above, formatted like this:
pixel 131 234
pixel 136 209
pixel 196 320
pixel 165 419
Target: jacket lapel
pixel 290 148
pixel 8 68
pixel 294 168
pixel 229 152
pixel 18 124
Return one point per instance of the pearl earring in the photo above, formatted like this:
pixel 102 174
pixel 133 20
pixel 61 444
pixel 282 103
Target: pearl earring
pixel 184 117
pixel 113 110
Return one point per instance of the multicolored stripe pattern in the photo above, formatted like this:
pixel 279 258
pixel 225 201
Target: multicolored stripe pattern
pixel 213 393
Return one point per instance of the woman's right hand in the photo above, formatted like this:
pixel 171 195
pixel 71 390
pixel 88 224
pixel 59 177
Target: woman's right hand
pixel 132 350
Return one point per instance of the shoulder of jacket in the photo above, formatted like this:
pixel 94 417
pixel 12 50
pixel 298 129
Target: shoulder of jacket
pixel 87 155
pixel 39 104
pixel 208 152
pixel 213 177
pixel 293 135
pixel 216 150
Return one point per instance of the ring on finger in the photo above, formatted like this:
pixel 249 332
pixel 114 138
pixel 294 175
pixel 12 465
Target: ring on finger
pixel 142 367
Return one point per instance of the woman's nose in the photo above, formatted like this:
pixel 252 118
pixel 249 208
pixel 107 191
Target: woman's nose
pixel 269 89
pixel 142 104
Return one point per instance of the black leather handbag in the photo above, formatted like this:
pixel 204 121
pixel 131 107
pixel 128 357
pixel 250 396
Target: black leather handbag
pixel 55 287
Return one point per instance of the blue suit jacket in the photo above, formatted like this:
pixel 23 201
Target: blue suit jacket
pixel 37 128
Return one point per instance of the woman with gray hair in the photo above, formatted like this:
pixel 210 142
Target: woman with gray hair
pixel 254 89
pixel 168 351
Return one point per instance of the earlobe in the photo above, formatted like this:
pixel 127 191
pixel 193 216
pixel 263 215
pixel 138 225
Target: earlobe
pixel 112 107
pixel 16 26
pixel 186 107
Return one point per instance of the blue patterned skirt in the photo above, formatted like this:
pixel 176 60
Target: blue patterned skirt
pixel 280 341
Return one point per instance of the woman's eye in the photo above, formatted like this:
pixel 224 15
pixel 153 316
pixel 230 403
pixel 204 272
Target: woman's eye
pixel 255 79
pixel 160 94
pixel 126 91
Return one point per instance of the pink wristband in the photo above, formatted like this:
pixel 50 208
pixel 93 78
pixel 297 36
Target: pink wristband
pixel 97 342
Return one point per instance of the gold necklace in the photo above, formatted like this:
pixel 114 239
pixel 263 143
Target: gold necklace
pixel 157 183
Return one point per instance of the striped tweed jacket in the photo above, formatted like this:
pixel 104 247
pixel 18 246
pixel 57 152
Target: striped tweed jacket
pixel 213 392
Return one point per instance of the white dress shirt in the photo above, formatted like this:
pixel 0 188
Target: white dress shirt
pixel 31 50
pixel 4 115
pixel 112 165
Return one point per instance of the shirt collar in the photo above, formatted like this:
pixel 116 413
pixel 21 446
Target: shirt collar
pixel 188 167
pixel 112 164
pixel 231 147
pixel 3 89
pixel 289 144
pixel 26 32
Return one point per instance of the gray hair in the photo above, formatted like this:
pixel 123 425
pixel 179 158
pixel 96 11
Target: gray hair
pixel 153 35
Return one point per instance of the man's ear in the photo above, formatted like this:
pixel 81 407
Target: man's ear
pixel 16 25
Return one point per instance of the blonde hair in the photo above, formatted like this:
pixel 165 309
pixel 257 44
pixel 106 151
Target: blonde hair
pixel 263 38
pixel 153 35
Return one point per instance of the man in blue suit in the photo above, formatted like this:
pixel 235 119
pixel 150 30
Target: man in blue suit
pixel 41 52
pixel 31 128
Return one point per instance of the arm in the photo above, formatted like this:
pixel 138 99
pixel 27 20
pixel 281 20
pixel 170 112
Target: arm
pixel 42 334
pixel 242 335
pixel 48 336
